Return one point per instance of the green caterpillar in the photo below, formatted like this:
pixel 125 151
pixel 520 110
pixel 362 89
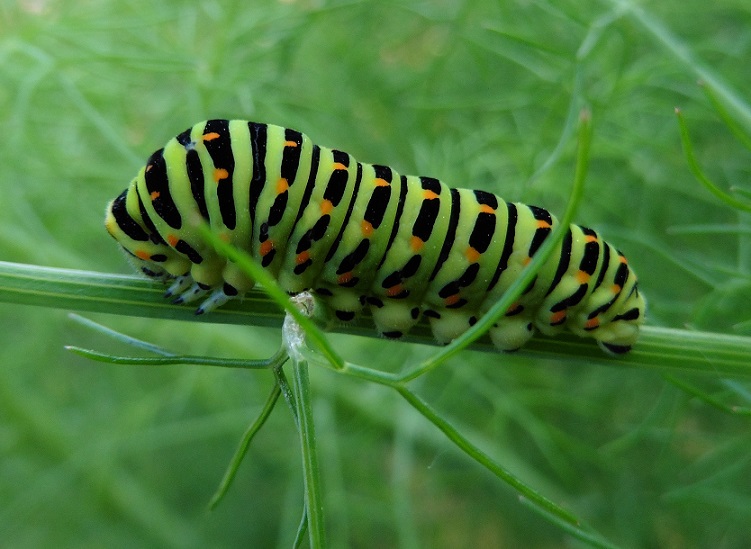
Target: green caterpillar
pixel 363 235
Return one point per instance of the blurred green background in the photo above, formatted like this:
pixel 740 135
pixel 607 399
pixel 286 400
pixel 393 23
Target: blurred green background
pixel 479 93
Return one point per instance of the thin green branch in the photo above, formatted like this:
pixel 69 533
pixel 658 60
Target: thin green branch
pixel 693 165
pixel 118 336
pixel 164 357
pixel 707 398
pixel 170 360
pixel 578 531
pixel 311 470
pixel 288 394
pixel 481 457
pixel 375 376
pixel 302 529
pixel 242 449
pixel 732 124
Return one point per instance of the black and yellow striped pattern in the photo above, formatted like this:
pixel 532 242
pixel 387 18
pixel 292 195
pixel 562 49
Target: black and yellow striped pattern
pixel 363 235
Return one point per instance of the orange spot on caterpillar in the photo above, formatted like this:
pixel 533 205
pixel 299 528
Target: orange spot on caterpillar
pixel 140 254
pixel 542 224
pixel 326 207
pixel 219 174
pixel 292 144
pixel 429 195
pixel 558 317
pixel 344 278
pixel 380 182
pixel 622 259
pixel 416 243
pixel 396 289
pixel 172 240
pixel 514 309
pixel 339 166
pixel 282 185
pixel 526 261
pixel 592 323
pixel 484 208
pixel 472 255
pixel 582 277
pixel 302 257
pixel 148 167
pixel 266 247
pixel 616 288
pixel 367 228
pixel 450 300
pixel 210 136
pixel 154 195
pixel 590 238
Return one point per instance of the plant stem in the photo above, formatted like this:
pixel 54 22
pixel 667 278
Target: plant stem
pixel 311 471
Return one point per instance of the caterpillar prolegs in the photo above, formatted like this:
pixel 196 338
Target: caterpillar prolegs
pixel 362 235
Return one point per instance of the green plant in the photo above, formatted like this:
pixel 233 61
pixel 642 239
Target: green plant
pixel 485 93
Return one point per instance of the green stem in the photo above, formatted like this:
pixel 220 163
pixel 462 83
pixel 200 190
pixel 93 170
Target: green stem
pixel 707 398
pixel 580 532
pixel 234 465
pixel 302 528
pixel 170 360
pixel 311 470
pixel 732 124
pixel 693 165
pixel 658 349
pixel 481 457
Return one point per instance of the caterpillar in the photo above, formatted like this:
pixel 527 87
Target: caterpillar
pixel 362 235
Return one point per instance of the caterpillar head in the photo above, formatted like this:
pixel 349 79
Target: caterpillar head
pixel 145 249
